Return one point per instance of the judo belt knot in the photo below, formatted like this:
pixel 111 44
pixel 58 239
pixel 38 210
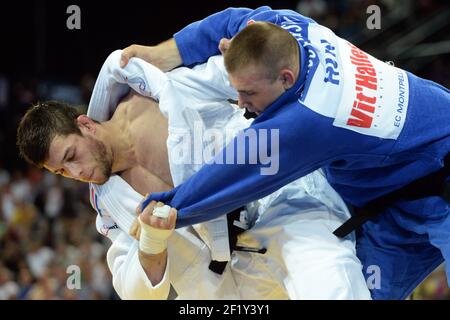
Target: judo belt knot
pixel 234 230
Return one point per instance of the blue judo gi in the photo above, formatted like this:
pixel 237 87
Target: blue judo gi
pixel 372 127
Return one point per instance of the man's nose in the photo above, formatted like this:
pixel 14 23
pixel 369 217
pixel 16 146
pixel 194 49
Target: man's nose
pixel 75 172
pixel 242 103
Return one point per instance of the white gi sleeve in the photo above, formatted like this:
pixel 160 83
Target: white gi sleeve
pixel 206 82
pixel 114 82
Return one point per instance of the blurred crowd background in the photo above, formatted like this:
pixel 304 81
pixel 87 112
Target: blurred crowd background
pixel 46 222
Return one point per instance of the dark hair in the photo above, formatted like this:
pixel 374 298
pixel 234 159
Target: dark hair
pixel 40 125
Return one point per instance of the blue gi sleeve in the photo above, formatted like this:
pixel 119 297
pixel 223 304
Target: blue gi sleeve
pixel 223 186
pixel 200 40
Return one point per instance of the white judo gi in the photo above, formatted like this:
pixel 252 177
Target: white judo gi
pixel 304 260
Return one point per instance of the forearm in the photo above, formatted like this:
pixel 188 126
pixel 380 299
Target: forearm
pixel 130 279
pixel 154 265
pixel 153 241
pixel 169 56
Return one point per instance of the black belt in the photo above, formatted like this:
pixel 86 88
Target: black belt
pixel 233 232
pixel 434 184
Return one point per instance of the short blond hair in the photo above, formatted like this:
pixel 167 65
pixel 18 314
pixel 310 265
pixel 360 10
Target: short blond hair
pixel 262 44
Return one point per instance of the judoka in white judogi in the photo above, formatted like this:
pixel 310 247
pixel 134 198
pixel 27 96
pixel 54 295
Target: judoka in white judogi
pixel 304 260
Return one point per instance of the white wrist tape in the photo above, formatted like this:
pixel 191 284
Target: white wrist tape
pixel 161 212
pixel 153 240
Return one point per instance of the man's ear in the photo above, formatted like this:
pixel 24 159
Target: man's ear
pixel 224 44
pixel 86 123
pixel 287 77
